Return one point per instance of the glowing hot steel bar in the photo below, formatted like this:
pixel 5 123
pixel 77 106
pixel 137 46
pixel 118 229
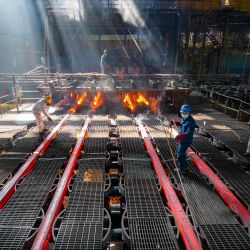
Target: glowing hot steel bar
pixel 224 192
pixel 184 225
pixel 9 188
pixel 44 233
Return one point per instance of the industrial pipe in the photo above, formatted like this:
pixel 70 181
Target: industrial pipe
pixel 219 186
pixel 184 225
pixel 9 188
pixel 44 232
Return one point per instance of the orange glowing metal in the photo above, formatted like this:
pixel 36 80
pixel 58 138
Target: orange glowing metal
pixel 97 101
pixel 128 102
pixel 81 100
pixel 154 105
pixel 142 100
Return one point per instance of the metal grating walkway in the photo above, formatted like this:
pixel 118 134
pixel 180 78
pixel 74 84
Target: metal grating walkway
pixel 209 213
pixel 21 211
pixel 7 167
pixel 19 215
pixel 232 133
pixel 131 142
pixel 149 225
pixel 23 147
pixel 98 135
pixel 82 224
pixel 233 174
pixel 148 233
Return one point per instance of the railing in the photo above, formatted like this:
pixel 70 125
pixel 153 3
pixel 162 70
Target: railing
pixel 228 103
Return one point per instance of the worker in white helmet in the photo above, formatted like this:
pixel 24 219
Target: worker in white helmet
pixel 39 108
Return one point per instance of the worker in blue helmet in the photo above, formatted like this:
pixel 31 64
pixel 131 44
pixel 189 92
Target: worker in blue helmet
pixel 185 136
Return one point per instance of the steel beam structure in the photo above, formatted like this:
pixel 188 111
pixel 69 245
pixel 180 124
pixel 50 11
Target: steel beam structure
pixel 184 225
pixel 9 188
pixel 44 233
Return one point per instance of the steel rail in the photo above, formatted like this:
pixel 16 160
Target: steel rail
pixel 185 227
pixel 219 186
pixel 45 230
pixel 9 188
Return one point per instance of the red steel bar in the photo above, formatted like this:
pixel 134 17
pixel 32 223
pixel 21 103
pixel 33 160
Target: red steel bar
pixel 9 188
pixel 224 192
pixel 44 232
pixel 62 102
pixel 184 225
pixel 219 186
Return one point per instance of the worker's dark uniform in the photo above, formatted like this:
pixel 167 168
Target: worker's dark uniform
pixel 103 63
pixel 187 127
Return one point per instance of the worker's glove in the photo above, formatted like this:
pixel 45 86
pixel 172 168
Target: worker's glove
pixel 180 137
pixel 50 119
pixel 172 122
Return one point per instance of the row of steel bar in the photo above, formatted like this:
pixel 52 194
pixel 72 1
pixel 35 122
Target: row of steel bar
pixel 220 187
pixel 44 233
pixel 9 188
pixel 184 225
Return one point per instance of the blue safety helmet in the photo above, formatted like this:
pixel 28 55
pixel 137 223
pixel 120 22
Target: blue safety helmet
pixel 185 108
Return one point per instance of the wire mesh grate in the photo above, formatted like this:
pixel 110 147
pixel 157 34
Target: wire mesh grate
pixel 13 237
pixel 205 204
pixel 44 172
pixel 151 234
pixel 143 199
pixel 7 166
pixel 132 148
pixel 226 236
pixel 24 206
pixel 91 170
pixel 242 188
pixel 86 202
pixel 57 149
pixel 79 235
pixel 95 146
pixel 137 169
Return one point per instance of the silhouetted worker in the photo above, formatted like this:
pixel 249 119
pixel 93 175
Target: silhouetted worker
pixel 104 62
pixel 38 109
pixel 185 136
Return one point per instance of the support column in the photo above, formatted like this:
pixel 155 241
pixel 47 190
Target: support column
pixel 202 54
pixel 177 41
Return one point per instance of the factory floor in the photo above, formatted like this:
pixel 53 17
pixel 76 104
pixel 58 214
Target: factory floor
pixel 116 171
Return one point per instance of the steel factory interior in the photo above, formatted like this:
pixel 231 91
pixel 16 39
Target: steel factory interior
pixel 124 124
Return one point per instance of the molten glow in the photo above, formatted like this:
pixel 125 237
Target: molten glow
pixel 72 110
pixel 128 103
pixel 153 105
pixel 97 101
pixel 142 100
pixel 80 99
